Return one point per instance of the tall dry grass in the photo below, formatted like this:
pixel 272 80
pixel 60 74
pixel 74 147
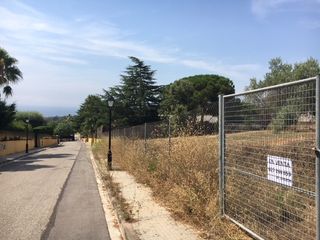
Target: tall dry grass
pixel 267 208
pixel 185 181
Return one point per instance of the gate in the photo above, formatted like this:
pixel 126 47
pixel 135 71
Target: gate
pixel 269 172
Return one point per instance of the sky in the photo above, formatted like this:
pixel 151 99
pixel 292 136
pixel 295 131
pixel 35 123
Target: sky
pixel 72 48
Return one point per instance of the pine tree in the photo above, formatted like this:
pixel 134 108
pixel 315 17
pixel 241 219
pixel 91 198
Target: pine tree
pixel 137 97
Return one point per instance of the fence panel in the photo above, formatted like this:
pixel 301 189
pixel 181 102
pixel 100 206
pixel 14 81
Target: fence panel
pixel 269 182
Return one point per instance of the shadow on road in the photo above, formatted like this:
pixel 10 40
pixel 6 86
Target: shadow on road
pixel 24 165
pixel 32 162
pixel 41 157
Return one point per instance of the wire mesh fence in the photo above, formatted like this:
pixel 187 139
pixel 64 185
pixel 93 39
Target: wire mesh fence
pixel 192 123
pixel 267 162
pixel 268 177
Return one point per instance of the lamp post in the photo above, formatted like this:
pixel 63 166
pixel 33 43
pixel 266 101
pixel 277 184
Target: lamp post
pixel 110 105
pixel 27 135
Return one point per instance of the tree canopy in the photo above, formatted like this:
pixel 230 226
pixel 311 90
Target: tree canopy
pixel 91 115
pixel 280 72
pixel 194 94
pixel 35 119
pixel 9 72
pixel 137 98
pixel 64 128
pixel 7 113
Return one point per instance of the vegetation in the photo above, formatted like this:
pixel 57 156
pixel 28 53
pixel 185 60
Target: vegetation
pixel 91 115
pixel 189 97
pixel 64 129
pixel 7 113
pixel 281 72
pixel 188 183
pixel 137 98
pixel 36 119
pixel 123 209
pixel 9 72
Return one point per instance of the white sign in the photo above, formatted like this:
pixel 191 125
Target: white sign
pixel 280 170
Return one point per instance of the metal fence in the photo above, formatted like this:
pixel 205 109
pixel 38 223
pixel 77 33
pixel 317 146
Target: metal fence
pixel 192 123
pixel 268 167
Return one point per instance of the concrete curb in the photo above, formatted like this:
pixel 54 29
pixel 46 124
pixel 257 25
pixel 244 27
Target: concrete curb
pixel 126 230
pixel 114 214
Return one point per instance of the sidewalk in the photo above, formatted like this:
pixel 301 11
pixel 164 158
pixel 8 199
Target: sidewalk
pixel 79 213
pixel 154 222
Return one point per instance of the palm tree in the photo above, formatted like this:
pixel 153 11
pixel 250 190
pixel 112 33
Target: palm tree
pixel 9 72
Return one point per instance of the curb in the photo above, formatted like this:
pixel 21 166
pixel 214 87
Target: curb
pixel 125 229
pixel 98 177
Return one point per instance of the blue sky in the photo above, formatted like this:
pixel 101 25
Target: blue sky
pixel 69 49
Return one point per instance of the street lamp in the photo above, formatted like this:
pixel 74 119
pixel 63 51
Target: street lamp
pixel 27 133
pixel 110 105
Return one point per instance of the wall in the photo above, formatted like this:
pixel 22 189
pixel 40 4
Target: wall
pixel 16 142
pixel 46 142
pixel 10 147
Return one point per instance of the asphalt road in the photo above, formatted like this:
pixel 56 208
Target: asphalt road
pixel 33 191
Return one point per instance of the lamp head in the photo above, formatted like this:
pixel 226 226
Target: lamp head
pixel 110 101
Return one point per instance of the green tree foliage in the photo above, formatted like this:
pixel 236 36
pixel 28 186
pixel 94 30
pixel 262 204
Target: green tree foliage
pixel 137 98
pixel 91 115
pixel 286 116
pixel 9 72
pixel 280 72
pixel 7 113
pixel 288 109
pixel 64 129
pixel 47 129
pixel 35 119
pixel 192 95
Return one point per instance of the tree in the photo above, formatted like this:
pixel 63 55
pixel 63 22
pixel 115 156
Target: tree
pixel 194 94
pixel 91 115
pixel 292 103
pixel 64 129
pixel 137 98
pixel 9 72
pixel 35 119
pixel 7 113
pixel 280 72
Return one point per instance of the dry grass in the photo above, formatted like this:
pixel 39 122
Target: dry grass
pixel 122 207
pixel 186 181
pixel 272 210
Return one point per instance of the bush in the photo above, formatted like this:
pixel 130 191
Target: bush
pixel 287 116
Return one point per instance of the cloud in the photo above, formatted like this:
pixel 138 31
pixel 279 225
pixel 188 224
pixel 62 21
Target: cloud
pixel 310 23
pixel 64 41
pixel 237 71
pixel 48 48
pixel 43 35
pixel 262 8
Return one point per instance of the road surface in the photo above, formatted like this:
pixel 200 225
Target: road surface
pixel 36 191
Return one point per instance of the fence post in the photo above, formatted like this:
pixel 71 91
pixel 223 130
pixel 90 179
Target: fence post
pixel 169 135
pixel 317 156
pixel 145 138
pixel 221 154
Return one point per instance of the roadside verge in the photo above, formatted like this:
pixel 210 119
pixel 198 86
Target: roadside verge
pixel 118 228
